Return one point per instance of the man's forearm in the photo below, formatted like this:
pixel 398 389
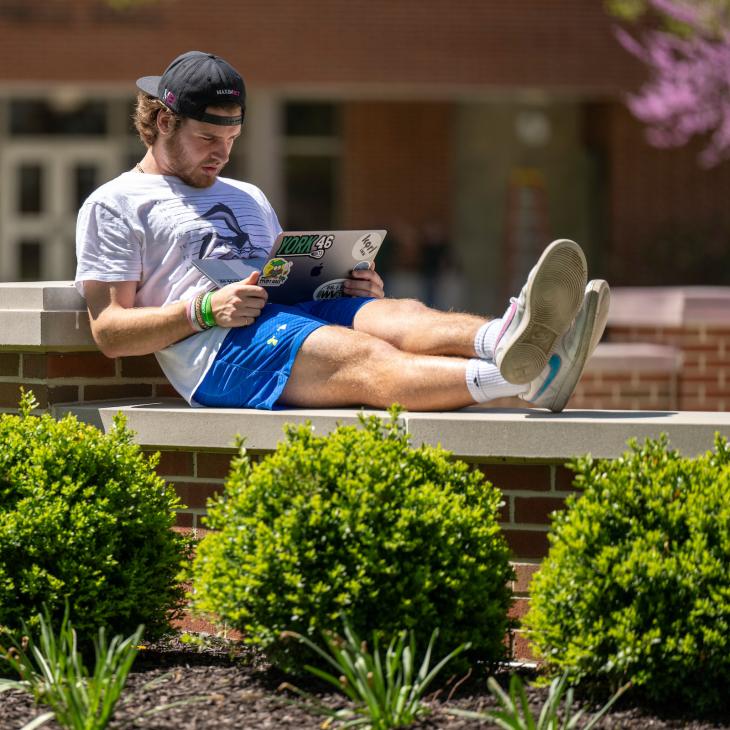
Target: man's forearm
pixel 120 331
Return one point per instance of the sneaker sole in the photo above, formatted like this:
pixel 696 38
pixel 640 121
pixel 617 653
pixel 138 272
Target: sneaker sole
pixel 555 294
pixel 596 303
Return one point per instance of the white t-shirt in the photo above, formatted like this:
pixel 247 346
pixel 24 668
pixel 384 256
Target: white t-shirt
pixel 148 229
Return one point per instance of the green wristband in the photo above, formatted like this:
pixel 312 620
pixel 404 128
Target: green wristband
pixel 207 310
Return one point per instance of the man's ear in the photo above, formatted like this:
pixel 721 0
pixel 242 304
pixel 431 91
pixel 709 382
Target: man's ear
pixel 164 121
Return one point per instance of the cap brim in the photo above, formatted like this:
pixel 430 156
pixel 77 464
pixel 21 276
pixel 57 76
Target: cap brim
pixel 149 84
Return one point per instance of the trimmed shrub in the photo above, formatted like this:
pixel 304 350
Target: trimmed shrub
pixel 636 585
pixel 85 519
pixel 358 525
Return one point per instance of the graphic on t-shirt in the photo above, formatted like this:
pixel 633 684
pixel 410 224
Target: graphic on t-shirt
pixel 237 246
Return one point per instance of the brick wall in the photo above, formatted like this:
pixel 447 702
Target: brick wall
pixel 703 380
pixel 531 493
pixel 635 391
pixel 63 377
pixel 426 42
pixel 406 177
pixel 668 221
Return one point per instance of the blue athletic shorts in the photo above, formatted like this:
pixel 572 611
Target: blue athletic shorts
pixel 253 364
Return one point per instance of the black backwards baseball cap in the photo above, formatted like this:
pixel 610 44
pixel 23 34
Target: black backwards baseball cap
pixel 194 81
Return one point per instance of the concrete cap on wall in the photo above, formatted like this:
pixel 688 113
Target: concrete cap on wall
pixel 669 306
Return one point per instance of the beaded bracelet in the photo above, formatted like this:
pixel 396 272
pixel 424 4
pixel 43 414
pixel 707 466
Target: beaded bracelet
pixel 199 311
pixel 207 310
pixel 192 319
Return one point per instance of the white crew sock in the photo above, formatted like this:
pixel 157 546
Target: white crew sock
pixel 485 382
pixel 486 339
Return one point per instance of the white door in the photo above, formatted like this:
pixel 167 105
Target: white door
pixel 42 187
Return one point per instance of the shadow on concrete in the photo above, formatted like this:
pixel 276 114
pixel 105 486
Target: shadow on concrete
pixel 601 415
pixel 596 415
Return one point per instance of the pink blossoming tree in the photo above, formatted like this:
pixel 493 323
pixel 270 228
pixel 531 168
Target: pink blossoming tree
pixel 687 50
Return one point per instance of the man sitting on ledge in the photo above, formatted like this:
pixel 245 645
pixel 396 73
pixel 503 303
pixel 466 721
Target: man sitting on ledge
pixel 137 235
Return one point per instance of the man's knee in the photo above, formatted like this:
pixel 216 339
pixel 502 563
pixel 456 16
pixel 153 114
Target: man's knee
pixel 393 308
pixel 411 306
pixel 373 349
pixel 400 319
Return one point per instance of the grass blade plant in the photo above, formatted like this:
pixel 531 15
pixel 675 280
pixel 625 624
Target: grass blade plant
pixel 515 712
pixel 386 690
pixel 53 671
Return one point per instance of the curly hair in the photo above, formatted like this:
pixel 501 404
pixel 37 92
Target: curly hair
pixel 145 118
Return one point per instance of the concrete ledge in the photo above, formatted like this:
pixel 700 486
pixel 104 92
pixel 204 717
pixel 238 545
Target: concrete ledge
pixel 41 295
pixel 670 306
pixel 619 357
pixel 474 433
pixel 44 314
pixel 55 330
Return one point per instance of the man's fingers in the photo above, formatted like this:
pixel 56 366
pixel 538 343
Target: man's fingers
pixel 365 283
pixel 248 310
pixel 245 319
pixel 368 292
pixel 252 278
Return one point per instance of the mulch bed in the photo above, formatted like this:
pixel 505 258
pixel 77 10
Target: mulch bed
pixel 224 685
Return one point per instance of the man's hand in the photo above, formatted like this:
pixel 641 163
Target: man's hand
pixel 364 283
pixel 239 304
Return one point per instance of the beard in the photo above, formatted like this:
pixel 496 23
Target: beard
pixel 181 166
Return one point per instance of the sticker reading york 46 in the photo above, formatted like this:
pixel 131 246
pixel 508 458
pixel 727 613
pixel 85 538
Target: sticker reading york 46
pixel 313 244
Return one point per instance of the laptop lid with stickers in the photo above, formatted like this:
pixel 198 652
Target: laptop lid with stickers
pixel 303 265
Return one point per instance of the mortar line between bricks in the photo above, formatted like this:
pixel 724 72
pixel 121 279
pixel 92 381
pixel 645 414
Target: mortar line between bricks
pixel 194 480
pixel 525 527
pixel 100 380
pixel 535 493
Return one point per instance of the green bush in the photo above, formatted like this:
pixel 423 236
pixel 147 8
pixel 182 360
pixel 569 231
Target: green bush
pixel 359 525
pixel 636 585
pixel 84 518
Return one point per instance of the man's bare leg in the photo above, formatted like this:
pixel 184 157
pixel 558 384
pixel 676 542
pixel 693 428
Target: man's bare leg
pixel 402 351
pixel 341 367
pixel 413 327
pixel 547 305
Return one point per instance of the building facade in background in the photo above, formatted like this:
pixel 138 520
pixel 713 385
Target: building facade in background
pixel 474 131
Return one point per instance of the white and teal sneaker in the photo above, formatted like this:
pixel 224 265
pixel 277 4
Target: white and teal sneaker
pixel 545 309
pixel 555 384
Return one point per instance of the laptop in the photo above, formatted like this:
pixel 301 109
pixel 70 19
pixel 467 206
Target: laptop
pixel 303 265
